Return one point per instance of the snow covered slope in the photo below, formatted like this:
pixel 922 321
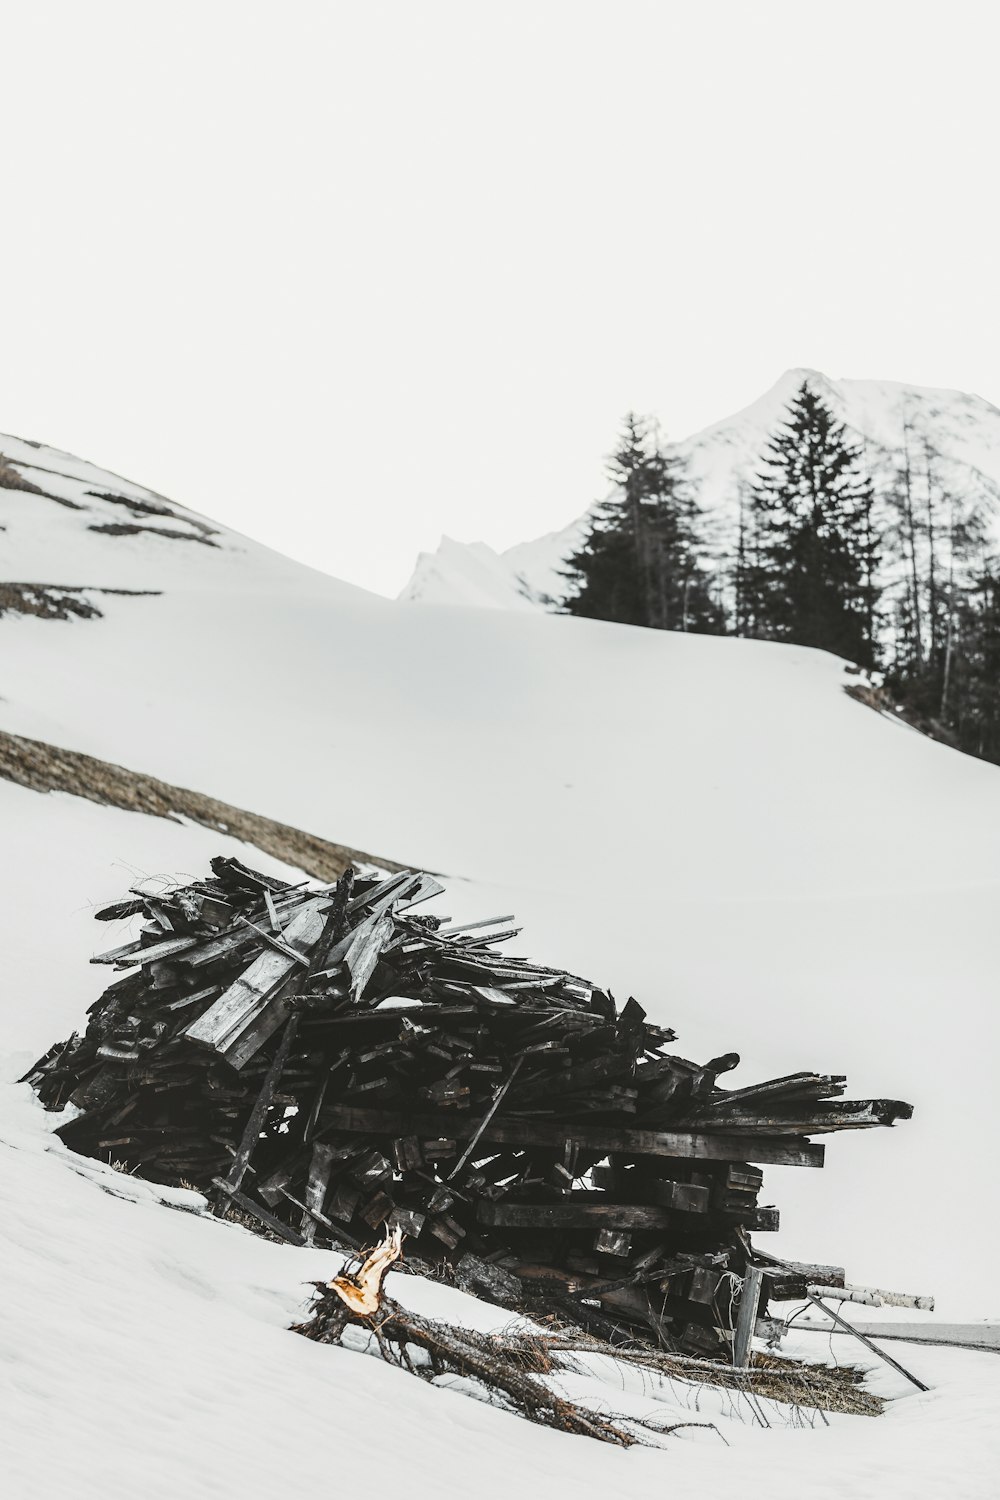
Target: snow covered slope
pixel 709 824
pixel 963 429
pixel 145 1349
pixel 74 524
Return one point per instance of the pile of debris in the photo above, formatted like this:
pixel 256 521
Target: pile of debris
pixel 333 1064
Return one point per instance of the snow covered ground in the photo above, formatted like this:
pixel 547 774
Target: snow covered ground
pixel 712 825
pixel 144 1349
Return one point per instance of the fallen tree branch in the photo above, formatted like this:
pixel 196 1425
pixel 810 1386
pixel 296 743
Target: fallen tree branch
pixel 510 1367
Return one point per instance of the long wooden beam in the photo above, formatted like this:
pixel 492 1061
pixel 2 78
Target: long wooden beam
pixel 688 1144
pixel 573 1215
pixel 830 1114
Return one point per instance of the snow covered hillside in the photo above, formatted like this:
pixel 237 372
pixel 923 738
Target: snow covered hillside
pixel 963 429
pixel 710 824
pixel 145 1348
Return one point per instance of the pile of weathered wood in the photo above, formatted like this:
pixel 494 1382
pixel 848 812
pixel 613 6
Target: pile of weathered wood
pixel 330 1062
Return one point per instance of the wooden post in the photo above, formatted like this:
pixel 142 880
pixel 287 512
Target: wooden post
pixel 747 1316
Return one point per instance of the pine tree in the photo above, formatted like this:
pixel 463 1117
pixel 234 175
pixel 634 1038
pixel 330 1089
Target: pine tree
pixel 973 708
pixel 642 561
pixel 935 540
pixel 808 573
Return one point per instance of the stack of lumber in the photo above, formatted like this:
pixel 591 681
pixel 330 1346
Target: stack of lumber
pixel 331 1063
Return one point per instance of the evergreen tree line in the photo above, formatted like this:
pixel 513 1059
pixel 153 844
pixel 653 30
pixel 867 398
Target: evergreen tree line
pixel 899 581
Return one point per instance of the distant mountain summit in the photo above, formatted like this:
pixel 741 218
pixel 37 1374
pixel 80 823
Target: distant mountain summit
pixel 963 430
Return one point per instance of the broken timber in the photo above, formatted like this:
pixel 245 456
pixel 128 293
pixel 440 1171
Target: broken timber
pixel 336 1066
pixel 681 1143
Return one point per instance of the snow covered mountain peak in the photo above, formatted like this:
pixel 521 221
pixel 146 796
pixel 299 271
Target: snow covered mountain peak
pixel 882 415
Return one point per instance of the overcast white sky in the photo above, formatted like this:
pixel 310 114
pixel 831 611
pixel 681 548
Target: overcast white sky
pixel 348 276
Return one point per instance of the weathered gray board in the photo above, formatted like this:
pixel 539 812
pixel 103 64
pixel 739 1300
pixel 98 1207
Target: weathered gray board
pixel 239 1008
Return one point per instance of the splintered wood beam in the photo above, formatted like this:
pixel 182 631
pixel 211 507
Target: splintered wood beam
pixel 351 962
pixel 602 1138
pixel 333 926
pixel 361 961
pixel 792 1086
pixel 397 888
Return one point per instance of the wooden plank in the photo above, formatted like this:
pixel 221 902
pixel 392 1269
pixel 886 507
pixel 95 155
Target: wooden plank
pixel 453 930
pixel 583 1076
pixel 320 1167
pixel 186 1000
pixel 238 936
pixel 574 1215
pixel 352 961
pixel 686 1197
pixel 272 915
pixel 365 953
pixel 397 888
pixel 239 1006
pixel 135 952
pixel 834 1114
pixel 274 942
pixel 685 1144
pixel 274 1015
pixel 425 890
pixel 791 1086
pixel 683 1197
pixel 746 1318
